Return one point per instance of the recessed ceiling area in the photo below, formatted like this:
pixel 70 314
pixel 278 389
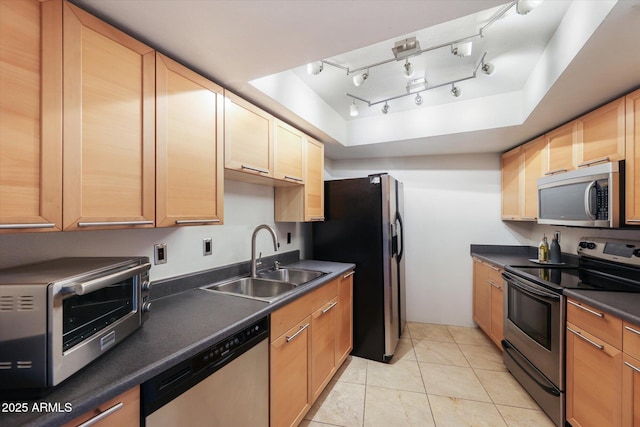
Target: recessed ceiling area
pixel 554 63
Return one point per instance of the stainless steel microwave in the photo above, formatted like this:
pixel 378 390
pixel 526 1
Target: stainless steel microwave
pixel 587 197
pixel 57 316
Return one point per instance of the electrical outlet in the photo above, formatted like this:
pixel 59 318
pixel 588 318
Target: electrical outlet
pixel 207 246
pixel 160 253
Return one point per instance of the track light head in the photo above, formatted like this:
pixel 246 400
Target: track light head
pixel 353 109
pixel 455 90
pixel 408 69
pixel 385 108
pixel 488 68
pixel 462 49
pixel 359 78
pixel 418 99
pixel 525 6
pixel 315 68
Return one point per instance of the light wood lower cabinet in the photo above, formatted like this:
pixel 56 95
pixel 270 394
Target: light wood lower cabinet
pixel 488 299
pixel 307 348
pixel 344 338
pixel 123 410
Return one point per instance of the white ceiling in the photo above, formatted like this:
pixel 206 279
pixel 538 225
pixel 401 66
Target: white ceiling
pixel 563 58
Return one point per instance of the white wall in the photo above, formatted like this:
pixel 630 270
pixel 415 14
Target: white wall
pixel 246 206
pixel 451 202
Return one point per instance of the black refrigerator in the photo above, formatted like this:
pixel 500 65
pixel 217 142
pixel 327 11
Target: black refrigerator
pixel 363 225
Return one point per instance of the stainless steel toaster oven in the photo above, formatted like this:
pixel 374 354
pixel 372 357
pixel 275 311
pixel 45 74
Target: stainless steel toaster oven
pixel 59 315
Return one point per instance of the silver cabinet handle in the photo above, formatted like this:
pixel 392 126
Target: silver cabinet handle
pixel 595 344
pixel 251 168
pixel 528 218
pixel 302 328
pixel 317 218
pixel 196 221
pixel 632 367
pixel 102 415
pixel 293 178
pixel 330 307
pixel 588 310
pixel 21 226
pixel 630 329
pixel 593 162
pixel 633 220
pixel 351 273
pixel 113 223
pixel 103 282
pixel 493 267
pixel 492 283
pixel 556 171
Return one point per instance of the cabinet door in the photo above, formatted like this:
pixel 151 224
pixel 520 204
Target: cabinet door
pixel 289 156
pixel 534 157
pixel 630 392
pixel 189 124
pixel 314 181
pixel 632 156
pixel 123 410
pixel 497 311
pixel 30 142
pixel 289 383
pixel 109 121
pixel 601 134
pixel 594 380
pixel 323 347
pixel 561 143
pixel 248 137
pixel 344 323
pixel 511 184
pixel 481 296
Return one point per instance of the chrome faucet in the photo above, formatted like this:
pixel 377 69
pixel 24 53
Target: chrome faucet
pixel 276 244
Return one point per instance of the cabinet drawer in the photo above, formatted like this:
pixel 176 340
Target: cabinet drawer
pixel 121 410
pixel 494 274
pixel 631 340
pixel 323 295
pixel 595 321
pixel 288 316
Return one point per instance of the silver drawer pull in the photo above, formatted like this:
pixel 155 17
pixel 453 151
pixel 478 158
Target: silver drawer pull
pixel 493 267
pixel 21 226
pixel 302 328
pixel 588 310
pixel 102 415
pixel 293 178
pixel 630 329
pixel 593 162
pixel 251 168
pixel 492 283
pixel 556 171
pixel 632 367
pixel 633 220
pixel 528 218
pixel 196 221
pixel 113 223
pixel 351 273
pixel 595 344
pixel 317 218
pixel 330 307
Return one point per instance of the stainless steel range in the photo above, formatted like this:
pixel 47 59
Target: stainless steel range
pixel 535 313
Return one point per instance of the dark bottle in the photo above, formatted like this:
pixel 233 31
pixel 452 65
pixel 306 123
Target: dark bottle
pixel 554 250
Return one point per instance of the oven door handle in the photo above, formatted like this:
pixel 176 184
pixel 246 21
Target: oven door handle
pixel 506 345
pixel 102 282
pixel 532 291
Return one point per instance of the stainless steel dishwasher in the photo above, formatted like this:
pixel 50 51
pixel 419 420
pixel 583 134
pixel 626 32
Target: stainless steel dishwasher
pixel 225 385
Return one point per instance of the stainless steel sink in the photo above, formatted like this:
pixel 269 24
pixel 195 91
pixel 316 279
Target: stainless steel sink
pixel 251 287
pixel 291 275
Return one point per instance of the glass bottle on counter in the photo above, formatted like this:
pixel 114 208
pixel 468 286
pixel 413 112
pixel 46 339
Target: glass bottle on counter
pixel 543 249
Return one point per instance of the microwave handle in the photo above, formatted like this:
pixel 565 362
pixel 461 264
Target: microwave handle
pixel 589 197
pixel 103 282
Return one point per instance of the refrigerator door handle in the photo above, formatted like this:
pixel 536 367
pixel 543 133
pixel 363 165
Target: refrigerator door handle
pixel 401 227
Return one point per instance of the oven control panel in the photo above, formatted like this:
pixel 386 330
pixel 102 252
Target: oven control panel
pixel 622 251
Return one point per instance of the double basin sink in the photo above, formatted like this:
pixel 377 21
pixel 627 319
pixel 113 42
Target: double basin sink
pixel 268 285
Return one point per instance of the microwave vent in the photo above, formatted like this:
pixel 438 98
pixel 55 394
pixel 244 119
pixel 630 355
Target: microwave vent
pixel 5 365
pixel 20 303
pixel 24 364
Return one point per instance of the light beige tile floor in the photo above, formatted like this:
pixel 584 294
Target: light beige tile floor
pixel 440 376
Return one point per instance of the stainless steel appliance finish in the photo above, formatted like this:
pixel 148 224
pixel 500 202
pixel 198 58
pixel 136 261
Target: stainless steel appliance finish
pixel 587 197
pixel 59 315
pixel 364 225
pixel 225 385
pixel 535 314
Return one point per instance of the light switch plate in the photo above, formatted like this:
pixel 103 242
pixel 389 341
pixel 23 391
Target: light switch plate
pixel 160 253
pixel 207 246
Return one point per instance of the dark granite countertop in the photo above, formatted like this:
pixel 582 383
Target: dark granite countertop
pixel 514 256
pixel 180 326
pixel 621 304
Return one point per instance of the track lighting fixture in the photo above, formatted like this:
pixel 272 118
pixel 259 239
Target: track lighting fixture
pixel 488 68
pixel 525 6
pixel 455 90
pixel 462 49
pixel 315 68
pixel 408 69
pixel 418 99
pixel 353 109
pixel 385 108
pixel 359 78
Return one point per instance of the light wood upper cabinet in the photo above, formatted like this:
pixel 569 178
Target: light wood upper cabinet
pixel 534 157
pixel 289 153
pixel 521 168
pixel 30 142
pixel 633 158
pixel 601 134
pixel 189 147
pixel 561 146
pixel 109 121
pixel 248 137
pixel 511 183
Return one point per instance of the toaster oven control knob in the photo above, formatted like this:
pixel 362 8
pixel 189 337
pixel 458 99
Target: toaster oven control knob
pixel 146 285
pixel 146 307
pixel 583 244
pixel 591 245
